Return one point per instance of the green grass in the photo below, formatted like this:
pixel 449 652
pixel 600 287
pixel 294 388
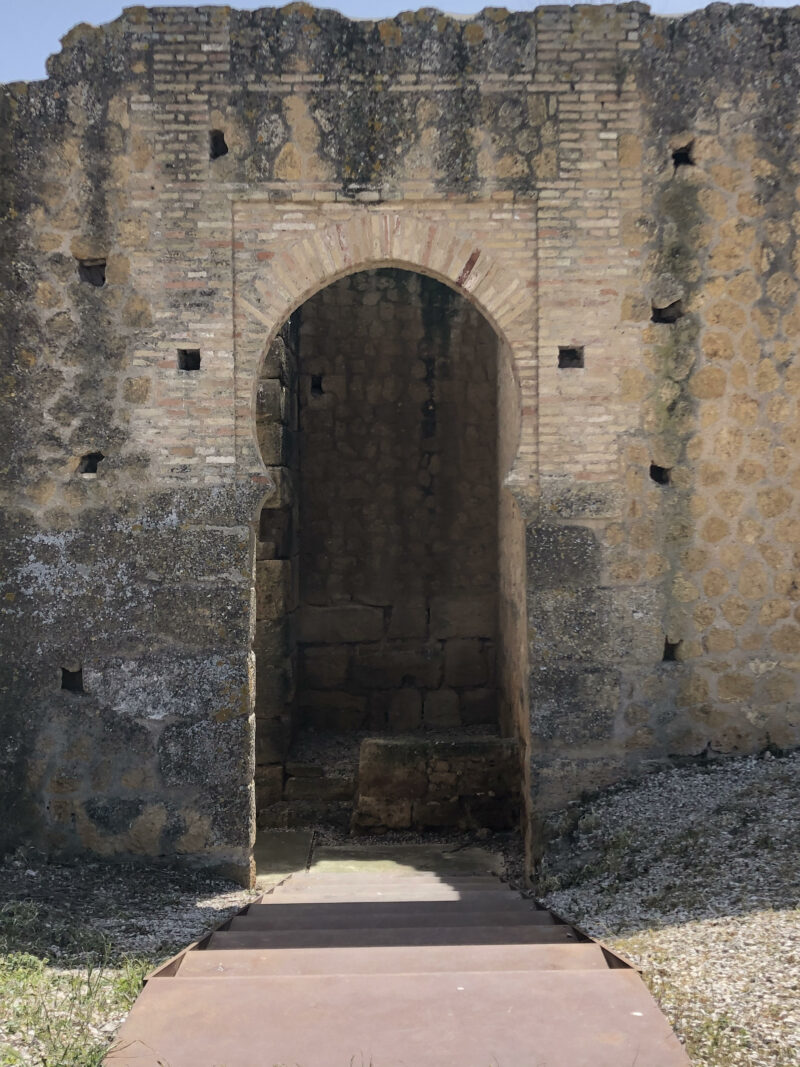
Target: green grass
pixel 59 1012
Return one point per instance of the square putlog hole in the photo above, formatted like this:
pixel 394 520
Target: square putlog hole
pixel 188 359
pixel 671 651
pixel 217 146
pixel 683 156
pixel 668 314
pixel 88 464
pixel 569 358
pixel 92 271
pixel 72 681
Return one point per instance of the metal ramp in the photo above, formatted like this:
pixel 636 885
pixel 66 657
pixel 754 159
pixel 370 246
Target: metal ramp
pixel 343 968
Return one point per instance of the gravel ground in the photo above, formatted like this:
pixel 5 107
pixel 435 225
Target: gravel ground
pixel 694 875
pixel 119 910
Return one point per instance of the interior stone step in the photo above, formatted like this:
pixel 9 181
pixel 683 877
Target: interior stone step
pixel 294 814
pixel 390 915
pixel 602 1018
pixel 399 959
pixel 491 934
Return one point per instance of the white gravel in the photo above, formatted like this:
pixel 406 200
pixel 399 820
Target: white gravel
pixel 694 874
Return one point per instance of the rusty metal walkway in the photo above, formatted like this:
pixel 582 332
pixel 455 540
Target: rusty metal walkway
pixel 395 968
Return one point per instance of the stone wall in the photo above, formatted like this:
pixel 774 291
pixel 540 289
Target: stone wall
pixel 613 192
pixel 719 386
pixel 397 506
pixel 413 783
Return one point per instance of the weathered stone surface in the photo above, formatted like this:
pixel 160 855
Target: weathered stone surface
pixel 321 789
pixel 337 624
pixel 413 782
pixel 562 557
pixel 462 616
pixel 269 784
pixel 209 752
pixel 441 708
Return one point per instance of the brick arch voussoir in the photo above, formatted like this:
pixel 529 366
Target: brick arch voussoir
pixel 388 239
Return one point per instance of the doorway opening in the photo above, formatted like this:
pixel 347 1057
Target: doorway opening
pixel 389 569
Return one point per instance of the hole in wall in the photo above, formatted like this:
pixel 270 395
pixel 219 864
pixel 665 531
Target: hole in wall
pixel 660 475
pixel 670 651
pixel 683 156
pixel 188 359
pixel 72 681
pixel 570 357
pixel 89 462
pixel 669 314
pixel 92 271
pixel 216 144
pixel 316 385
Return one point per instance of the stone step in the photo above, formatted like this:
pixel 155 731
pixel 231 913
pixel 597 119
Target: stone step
pixel 322 789
pixel 295 814
pixel 490 934
pixel 399 959
pixel 605 1018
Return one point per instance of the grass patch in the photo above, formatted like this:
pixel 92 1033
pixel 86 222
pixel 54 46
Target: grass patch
pixel 77 939
pixel 60 1012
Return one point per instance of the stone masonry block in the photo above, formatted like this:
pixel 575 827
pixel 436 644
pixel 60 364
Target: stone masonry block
pixel 270 400
pixel 463 616
pixel 436 813
pixel 390 667
pixel 272 740
pixel 273 688
pixel 479 707
pixel 324 789
pixel 326 710
pixel 269 784
pixel 391 769
pixel 325 667
pixel 275 638
pixel 465 663
pixel 273 443
pixel 405 710
pixel 341 623
pixel 375 813
pixel 562 557
pixel 273 588
pixel 441 708
pixel 409 619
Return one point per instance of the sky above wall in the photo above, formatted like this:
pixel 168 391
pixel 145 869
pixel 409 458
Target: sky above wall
pixel 30 31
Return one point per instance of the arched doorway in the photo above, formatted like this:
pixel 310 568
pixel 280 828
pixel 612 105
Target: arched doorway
pixel 390 573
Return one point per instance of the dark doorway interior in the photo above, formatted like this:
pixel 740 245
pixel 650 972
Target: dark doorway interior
pixel 390 532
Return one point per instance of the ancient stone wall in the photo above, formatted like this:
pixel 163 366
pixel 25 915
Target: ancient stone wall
pixel 397 506
pixel 613 192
